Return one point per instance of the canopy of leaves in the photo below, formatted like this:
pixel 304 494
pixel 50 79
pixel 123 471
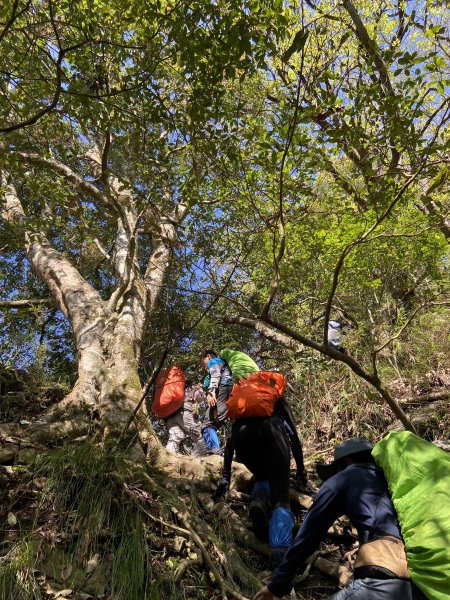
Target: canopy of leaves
pixel 309 142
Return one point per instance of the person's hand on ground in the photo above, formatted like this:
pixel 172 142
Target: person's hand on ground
pixel 264 594
pixel 299 480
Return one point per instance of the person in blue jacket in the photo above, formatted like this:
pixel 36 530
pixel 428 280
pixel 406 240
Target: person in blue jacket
pixel 354 486
pixel 218 385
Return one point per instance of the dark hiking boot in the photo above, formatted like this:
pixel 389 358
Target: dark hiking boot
pixel 276 556
pixel 258 512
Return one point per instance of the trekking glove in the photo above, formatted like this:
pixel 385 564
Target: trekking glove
pixel 222 488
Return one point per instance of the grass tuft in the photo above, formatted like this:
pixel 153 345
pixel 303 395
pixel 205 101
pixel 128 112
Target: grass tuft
pixel 84 487
pixel 17 568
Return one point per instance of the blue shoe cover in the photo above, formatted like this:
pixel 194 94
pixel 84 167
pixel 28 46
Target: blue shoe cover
pixel 280 528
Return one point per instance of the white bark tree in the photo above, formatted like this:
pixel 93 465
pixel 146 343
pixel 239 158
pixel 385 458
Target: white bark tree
pixel 103 113
pixel 108 332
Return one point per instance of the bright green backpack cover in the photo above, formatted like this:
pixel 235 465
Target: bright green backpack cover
pixel 418 475
pixel 241 364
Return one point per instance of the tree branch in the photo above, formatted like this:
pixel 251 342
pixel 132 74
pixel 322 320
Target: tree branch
pixel 14 16
pixel 364 238
pixel 371 49
pixel 54 101
pixel 30 303
pixel 71 176
pixel 264 327
pixel 407 322
pixel 73 295
pixel 282 229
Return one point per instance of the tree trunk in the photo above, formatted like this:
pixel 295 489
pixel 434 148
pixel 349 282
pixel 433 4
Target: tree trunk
pixel 108 333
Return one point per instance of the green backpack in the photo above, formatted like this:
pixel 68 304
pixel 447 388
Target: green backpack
pixel 418 475
pixel 240 363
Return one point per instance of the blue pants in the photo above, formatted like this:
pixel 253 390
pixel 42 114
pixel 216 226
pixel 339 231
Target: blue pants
pixel 379 589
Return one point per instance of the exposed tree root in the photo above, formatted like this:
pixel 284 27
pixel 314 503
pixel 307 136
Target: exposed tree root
pixel 311 560
pixel 348 556
pixel 334 570
pixel 190 482
pixel 227 590
pixel 184 566
pixel 239 530
pixel 196 529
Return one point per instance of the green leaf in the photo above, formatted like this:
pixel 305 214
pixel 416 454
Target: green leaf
pixel 297 44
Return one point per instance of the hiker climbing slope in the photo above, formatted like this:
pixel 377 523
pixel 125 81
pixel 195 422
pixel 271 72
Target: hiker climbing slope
pixel 176 400
pixel 218 385
pixel 354 486
pixel 263 443
pixel 418 476
pixel 185 424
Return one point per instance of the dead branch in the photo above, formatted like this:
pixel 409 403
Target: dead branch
pixel 304 500
pixel 430 397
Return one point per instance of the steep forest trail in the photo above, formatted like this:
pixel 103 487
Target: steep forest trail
pixel 81 523
pixel 73 524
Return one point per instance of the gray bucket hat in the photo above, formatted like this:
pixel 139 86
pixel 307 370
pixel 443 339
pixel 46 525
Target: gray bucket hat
pixel 347 448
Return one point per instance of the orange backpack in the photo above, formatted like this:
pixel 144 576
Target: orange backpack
pixel 169 392
pixel 255 395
